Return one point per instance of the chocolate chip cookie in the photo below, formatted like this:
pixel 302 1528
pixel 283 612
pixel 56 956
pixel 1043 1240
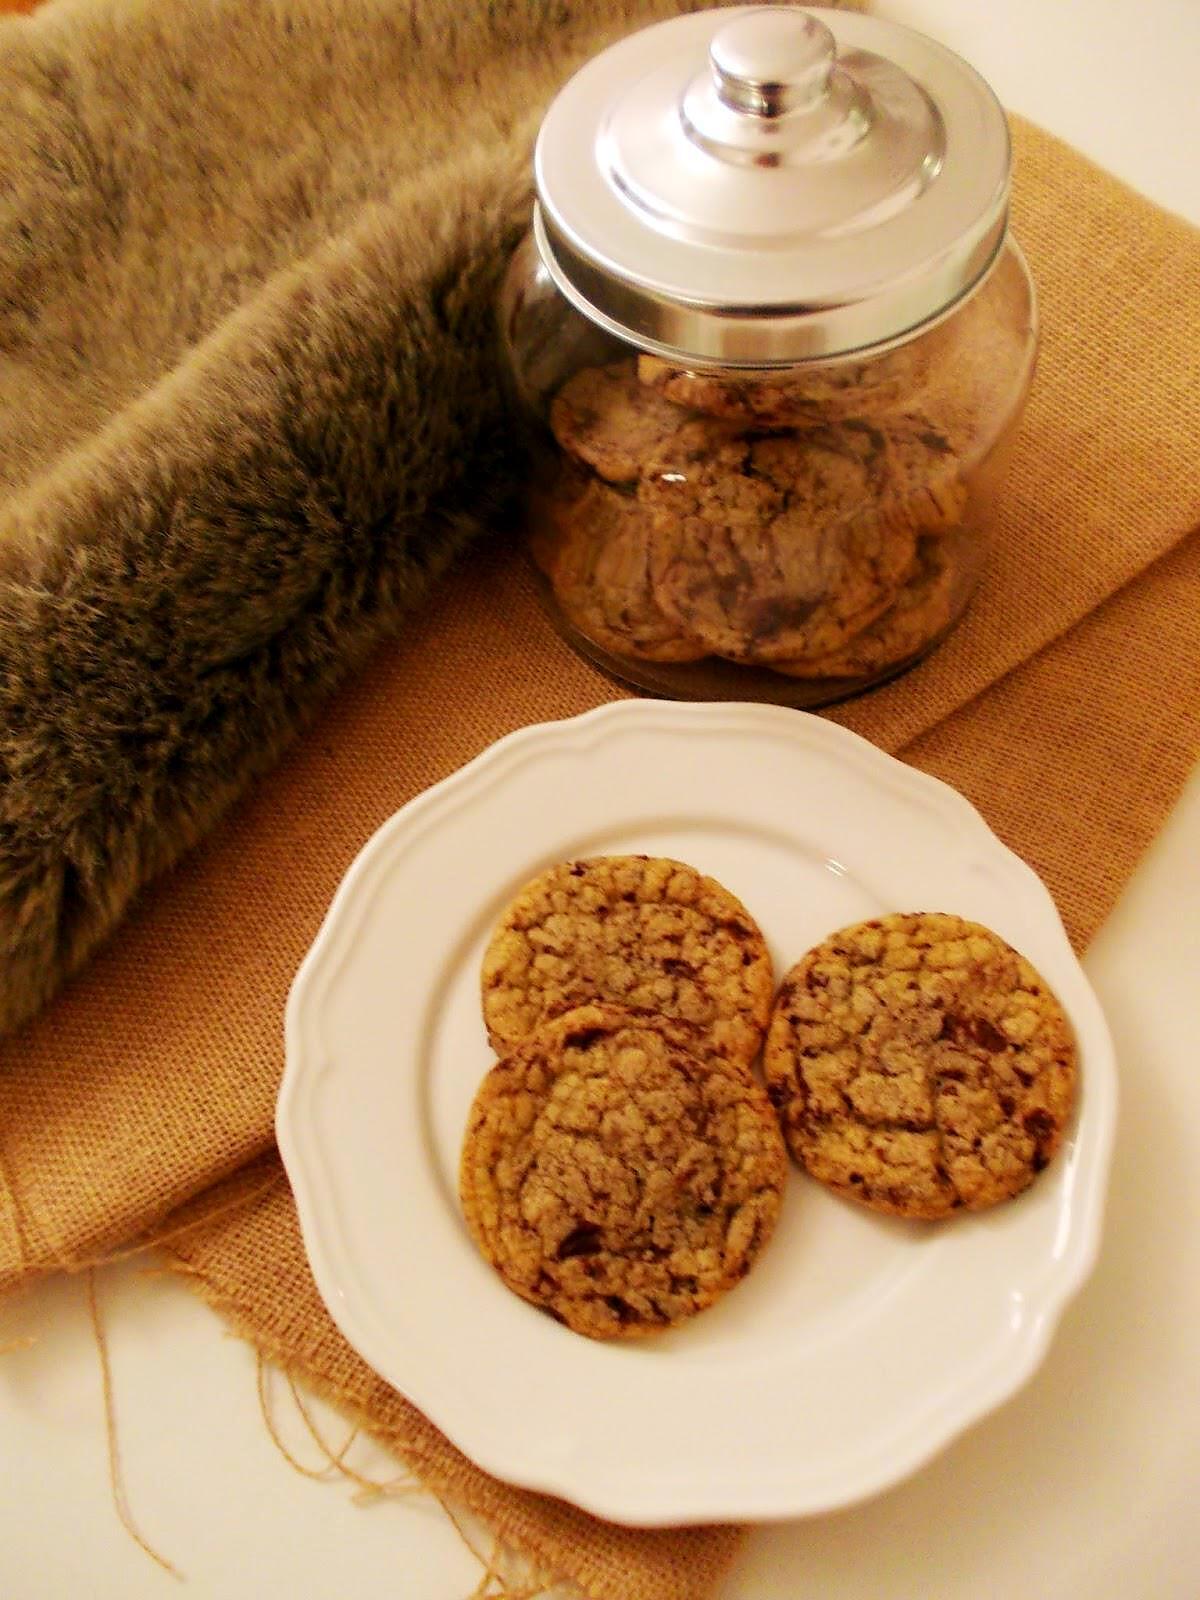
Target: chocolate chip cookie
pixel 923 487
pixel 920 1065
pixel 616 1178
pixel 769 548
pixel 594 546
pixel 604 417
pixel 798 396
pixel 920 612
pixel 642 932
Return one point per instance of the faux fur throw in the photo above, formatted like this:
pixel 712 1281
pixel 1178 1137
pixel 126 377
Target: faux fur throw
pixel 248 393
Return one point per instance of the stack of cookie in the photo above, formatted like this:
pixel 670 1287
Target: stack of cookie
pixel 622 1166
pixel 813 526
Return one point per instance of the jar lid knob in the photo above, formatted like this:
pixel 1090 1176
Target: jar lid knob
pixel 772 61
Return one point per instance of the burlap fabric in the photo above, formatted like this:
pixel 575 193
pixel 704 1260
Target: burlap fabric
pixel 1067 707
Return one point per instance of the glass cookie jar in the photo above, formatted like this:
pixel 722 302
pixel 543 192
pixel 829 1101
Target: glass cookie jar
pixel 770 337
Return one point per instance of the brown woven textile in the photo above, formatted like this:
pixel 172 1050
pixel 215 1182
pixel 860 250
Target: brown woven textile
pixel 1067 707
pixel 1076 757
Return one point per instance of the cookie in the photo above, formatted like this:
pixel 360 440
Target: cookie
pixel 882 394
pixel 617 1179
pixel 602 416
pixel 770 548
pixel 923 489
pixel 639 931
pixel 920 612
pixel 594 546
pixel 920 1065
pixel 801 396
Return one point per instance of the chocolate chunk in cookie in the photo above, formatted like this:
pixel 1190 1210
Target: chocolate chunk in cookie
pixel 617 1179
pixel 920 1065
pixel 639 931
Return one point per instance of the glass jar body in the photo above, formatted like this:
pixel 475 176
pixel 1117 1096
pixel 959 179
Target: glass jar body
pixel 793 535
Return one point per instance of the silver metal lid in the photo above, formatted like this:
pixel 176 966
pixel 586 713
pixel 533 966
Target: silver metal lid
pixel 760 185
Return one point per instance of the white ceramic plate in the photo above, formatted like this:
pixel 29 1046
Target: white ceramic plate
pixel 859 1345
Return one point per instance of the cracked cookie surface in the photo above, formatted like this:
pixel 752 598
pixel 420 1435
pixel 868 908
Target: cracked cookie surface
pixel 920 1065
pixel 643 932
pixel 617 1179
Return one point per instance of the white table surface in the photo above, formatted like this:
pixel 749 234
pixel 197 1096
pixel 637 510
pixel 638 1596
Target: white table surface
pixel 1081 1488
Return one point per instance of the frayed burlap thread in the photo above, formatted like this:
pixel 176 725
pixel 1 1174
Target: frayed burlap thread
pixel 250 1266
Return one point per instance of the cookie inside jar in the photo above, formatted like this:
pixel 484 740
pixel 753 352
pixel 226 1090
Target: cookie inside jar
pixel 794 535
